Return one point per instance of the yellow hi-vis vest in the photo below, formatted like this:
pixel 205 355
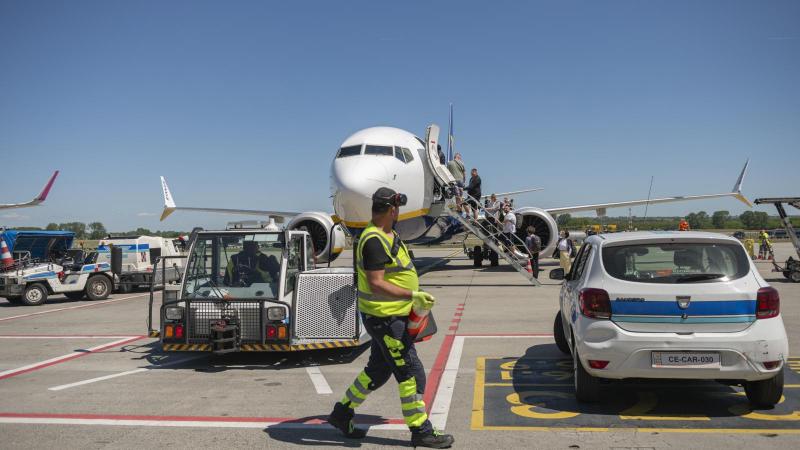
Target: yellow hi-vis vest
pixel 400 272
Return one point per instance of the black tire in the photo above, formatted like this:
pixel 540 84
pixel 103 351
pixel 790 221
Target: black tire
pixel 477 256
pixel 74 295
pixel 765 393
pixel 98 287
pixel 493 258
pixel 14 300
pixel 794 276
pixel 124 287
pixel 558 334
pixel 587 387
pixel 34 295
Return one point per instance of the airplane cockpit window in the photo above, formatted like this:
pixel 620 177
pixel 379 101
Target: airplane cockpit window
pixel 352 150
pixel 408 155
pixel 383 150
pixel 398 153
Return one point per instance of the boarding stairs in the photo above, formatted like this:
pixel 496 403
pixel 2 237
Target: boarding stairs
pixel 515 253
pixel 488 231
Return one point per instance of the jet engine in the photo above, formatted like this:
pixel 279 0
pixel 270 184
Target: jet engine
pixel 544 225
pixel 319 226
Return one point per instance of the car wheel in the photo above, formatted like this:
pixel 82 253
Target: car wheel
pixel 765 393
pixel 74 295
pixel 477 256
pixel 98 287
pixel 794 276
pixel 587 387
pixel 558 334
pixel 35 294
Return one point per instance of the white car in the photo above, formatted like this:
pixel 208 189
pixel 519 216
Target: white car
pixel 678 305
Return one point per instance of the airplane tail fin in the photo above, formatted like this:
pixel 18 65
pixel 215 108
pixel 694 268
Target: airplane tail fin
pixel 169 202
pixel 46 190
pixel 737 188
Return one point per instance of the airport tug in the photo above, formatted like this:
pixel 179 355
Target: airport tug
pixel 257 289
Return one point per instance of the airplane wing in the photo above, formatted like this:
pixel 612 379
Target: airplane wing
pixel 600 208
pixel 170 207
pixel 507 194
pixel 36 200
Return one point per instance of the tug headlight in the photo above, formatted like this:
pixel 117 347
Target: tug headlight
pixel 276 313
pixel 174 313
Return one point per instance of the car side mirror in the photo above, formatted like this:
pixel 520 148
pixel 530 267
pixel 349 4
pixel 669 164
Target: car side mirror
pixel 557 274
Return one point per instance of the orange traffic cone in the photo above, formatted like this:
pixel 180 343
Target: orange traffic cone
pixel 417 320
pixel 5 255
pixel 529 268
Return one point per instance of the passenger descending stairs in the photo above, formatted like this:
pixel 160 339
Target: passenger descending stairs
pixel 516 255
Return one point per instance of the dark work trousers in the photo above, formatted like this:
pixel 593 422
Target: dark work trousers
pixel 535 264
pixel 381 365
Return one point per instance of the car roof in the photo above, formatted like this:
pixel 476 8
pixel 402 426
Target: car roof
pixel 656 236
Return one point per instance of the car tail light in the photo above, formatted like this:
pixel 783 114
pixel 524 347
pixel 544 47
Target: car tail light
pixel 272 332
pixel 595 303
pixel 597 364
pixel 179 331
pixel 769 365
pixel 768 303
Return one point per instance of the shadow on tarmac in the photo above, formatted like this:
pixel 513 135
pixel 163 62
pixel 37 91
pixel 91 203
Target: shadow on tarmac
pixel 330 436
pixel 208 362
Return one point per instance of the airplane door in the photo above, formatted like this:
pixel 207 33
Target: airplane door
pixel 440 172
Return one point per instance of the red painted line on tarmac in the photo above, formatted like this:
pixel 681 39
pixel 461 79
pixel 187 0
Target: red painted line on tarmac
pixel 453 328
pixel 87 305
pixel 304 420
pixel 64 336
pixel 76 355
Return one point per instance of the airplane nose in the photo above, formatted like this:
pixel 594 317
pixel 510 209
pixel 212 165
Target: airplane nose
pixel 353 181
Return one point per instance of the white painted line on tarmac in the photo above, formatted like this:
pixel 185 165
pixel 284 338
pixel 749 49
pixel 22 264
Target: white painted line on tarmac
pixel 320 383
pixel 72 307
pixel 444 395
pixel 68 356
pixel 121 374
pixel 183 423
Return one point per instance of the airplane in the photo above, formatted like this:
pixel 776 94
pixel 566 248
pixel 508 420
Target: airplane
pixel 38 199
pixel 390 157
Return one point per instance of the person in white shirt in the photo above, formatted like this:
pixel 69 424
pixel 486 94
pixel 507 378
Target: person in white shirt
pixel 565 249
pixel 509 226
pixel 493 209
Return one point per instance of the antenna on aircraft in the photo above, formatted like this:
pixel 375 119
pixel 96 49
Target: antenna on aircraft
pixel 649 192
pixel 451 144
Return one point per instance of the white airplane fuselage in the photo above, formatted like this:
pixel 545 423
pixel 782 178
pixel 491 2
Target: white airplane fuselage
pixel 378 157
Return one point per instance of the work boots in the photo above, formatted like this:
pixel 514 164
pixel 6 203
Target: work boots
pixel 342 418
pixel 433 439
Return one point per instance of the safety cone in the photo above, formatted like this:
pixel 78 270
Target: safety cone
pixel 417 320
pixel 5 255
pixel 529 268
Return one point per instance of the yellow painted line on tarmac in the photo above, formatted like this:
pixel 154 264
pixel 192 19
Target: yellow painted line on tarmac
pixel 478 394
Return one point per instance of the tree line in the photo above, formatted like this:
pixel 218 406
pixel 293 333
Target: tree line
pixel 96 230
pixel 748 220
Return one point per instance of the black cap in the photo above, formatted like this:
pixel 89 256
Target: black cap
pixel 387 196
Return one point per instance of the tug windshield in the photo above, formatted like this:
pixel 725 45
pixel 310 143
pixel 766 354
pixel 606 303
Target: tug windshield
pixel 235 266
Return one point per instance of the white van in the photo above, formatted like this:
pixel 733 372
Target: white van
pixel 139 254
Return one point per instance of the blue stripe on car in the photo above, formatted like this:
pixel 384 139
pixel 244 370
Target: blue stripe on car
pixel 696 308
pixel 648 319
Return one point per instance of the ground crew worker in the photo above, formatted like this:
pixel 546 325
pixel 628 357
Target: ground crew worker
pixel 251 266
pixel 683 225
pixel 765 247
pixel 387 288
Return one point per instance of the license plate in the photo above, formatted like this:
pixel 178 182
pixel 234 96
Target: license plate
pixel 700 360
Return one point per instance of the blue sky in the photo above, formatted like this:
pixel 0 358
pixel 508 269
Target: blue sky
pixel 243 104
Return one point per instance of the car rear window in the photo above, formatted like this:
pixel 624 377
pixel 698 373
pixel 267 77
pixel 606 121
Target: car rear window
pixel 674 263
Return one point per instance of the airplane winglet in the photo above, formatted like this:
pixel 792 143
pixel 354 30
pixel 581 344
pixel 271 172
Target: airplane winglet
pixel 169 202
pixel 737 188
pixel 46 190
